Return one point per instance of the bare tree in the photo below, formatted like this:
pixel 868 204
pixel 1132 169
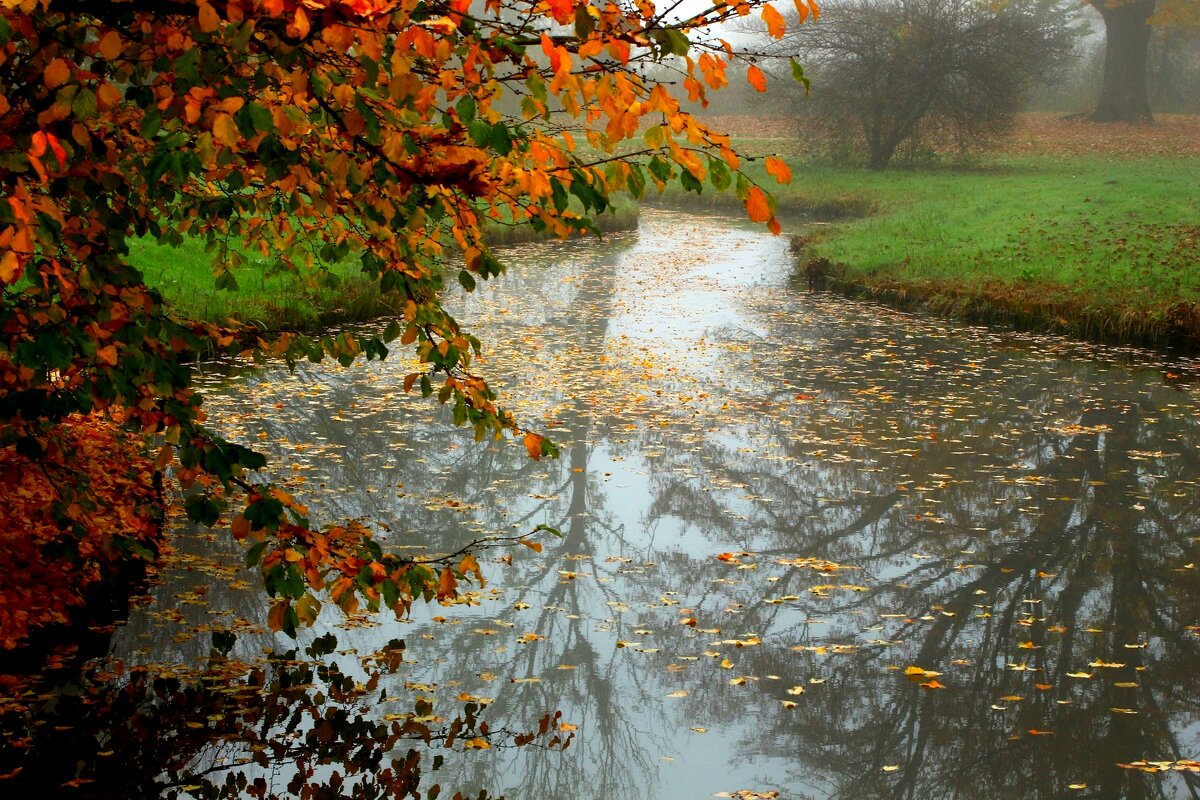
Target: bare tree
pixel 885 72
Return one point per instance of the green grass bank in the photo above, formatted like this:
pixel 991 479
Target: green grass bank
pixel 1104 247
pixel 1103 250
pixel 274 299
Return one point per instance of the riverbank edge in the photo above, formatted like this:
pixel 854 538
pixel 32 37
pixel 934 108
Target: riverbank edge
pixel 1174 329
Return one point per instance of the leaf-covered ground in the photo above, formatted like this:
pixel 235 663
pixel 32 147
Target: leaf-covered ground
pixel 1035 133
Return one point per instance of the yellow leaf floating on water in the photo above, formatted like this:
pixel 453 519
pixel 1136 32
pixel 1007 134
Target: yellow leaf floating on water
pixel 795 690
pixel 891 767
pixel 680 693
pixel 916 674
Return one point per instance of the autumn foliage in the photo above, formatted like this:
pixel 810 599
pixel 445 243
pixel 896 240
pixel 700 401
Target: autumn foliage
pixel 90 536
pixel 308 133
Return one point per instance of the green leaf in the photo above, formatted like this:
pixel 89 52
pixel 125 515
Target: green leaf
pixel 253 119
pixel 254 554
pixel 467 281
pixel 500 139
pixel 584 24
pixel 466 108
pixel 84 104
pixel 799 77
pixel 718 174
pixel 660 169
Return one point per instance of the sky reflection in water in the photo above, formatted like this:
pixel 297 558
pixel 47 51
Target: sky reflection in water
pixel 1015 513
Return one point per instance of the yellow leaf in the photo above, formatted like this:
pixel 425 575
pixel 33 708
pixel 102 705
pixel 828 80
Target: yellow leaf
pixel 307 608
pixel 225 130
pixel 757 206
pixel 756 78
pixel 680 693
pixel 470 564
pixel 916 673
pixel 775 24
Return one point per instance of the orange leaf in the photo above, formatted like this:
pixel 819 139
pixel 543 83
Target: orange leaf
pixel 56 73
pixel 275 615
pixel 10 267
pixel 534 546
pixel 110 45
pixel 108 355
pixel 209 20
pixel 447 585
pixel 777 169
pixel 757 206
pixel 756 78
pixel 533 445
pixel 775 24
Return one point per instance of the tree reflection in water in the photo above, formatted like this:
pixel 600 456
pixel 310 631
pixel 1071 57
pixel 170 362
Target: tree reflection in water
pixel 1019 521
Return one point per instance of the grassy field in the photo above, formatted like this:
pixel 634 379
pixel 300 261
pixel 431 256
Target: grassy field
pixel 1084 229
pixel 273 299
pixel 1091 230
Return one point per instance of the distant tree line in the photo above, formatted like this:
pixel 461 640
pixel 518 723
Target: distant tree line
pixel 893 78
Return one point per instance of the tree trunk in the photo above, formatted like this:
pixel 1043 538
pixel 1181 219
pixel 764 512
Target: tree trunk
pixel 1123 96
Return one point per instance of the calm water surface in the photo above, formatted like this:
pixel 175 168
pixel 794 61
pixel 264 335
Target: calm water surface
pixel 774 505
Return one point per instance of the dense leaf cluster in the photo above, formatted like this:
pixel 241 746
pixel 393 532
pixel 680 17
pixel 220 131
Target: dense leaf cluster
pixel 306 133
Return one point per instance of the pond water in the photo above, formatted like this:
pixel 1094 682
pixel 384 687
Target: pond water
pixel 810 546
